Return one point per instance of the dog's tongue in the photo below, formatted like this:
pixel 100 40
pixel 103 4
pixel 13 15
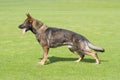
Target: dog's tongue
pixel 24 31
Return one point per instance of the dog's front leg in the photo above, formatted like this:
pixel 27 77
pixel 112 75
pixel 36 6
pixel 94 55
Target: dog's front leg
pixel 45 53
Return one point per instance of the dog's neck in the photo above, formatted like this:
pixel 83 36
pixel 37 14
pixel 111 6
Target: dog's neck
pixel 42 29
pixel 38 27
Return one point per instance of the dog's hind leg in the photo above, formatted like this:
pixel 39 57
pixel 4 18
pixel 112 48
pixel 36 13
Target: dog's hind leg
pixel 75 51
pixel 45 53
pixel 94 55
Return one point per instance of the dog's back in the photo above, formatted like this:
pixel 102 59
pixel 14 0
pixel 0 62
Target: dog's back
pixel 58 37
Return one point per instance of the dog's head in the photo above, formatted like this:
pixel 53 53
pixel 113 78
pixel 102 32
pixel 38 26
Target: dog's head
pixel 30 24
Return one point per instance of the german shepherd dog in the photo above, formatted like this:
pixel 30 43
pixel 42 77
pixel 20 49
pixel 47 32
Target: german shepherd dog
pixel 49 37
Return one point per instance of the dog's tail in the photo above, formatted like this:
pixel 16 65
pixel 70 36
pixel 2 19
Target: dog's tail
pixel 96 48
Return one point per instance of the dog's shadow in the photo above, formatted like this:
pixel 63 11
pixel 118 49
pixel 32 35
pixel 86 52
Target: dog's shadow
pixel 54 59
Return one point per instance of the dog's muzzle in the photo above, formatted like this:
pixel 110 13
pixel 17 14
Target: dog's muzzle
pixel 24 30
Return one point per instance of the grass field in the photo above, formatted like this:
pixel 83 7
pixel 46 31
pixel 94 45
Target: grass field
pixel 98 20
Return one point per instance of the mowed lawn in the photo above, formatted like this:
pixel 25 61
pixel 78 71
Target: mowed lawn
pixel 98 20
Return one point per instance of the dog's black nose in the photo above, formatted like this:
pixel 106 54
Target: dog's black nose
pixel 20 27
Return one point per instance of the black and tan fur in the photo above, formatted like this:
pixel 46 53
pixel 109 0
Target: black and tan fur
pixel 49 37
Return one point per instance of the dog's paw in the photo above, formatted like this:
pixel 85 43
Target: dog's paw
pixel 97 63
pixel 78 60
pixel 41 63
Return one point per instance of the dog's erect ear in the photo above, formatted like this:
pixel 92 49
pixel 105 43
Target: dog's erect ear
pixel 30 19
pixel 28 15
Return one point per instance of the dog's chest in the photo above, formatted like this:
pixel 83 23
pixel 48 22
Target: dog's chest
pixel 41 38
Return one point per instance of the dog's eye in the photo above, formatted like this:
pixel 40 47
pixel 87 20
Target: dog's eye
pixel 27 22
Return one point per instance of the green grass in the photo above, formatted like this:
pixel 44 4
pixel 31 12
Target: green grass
pixel 98 20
